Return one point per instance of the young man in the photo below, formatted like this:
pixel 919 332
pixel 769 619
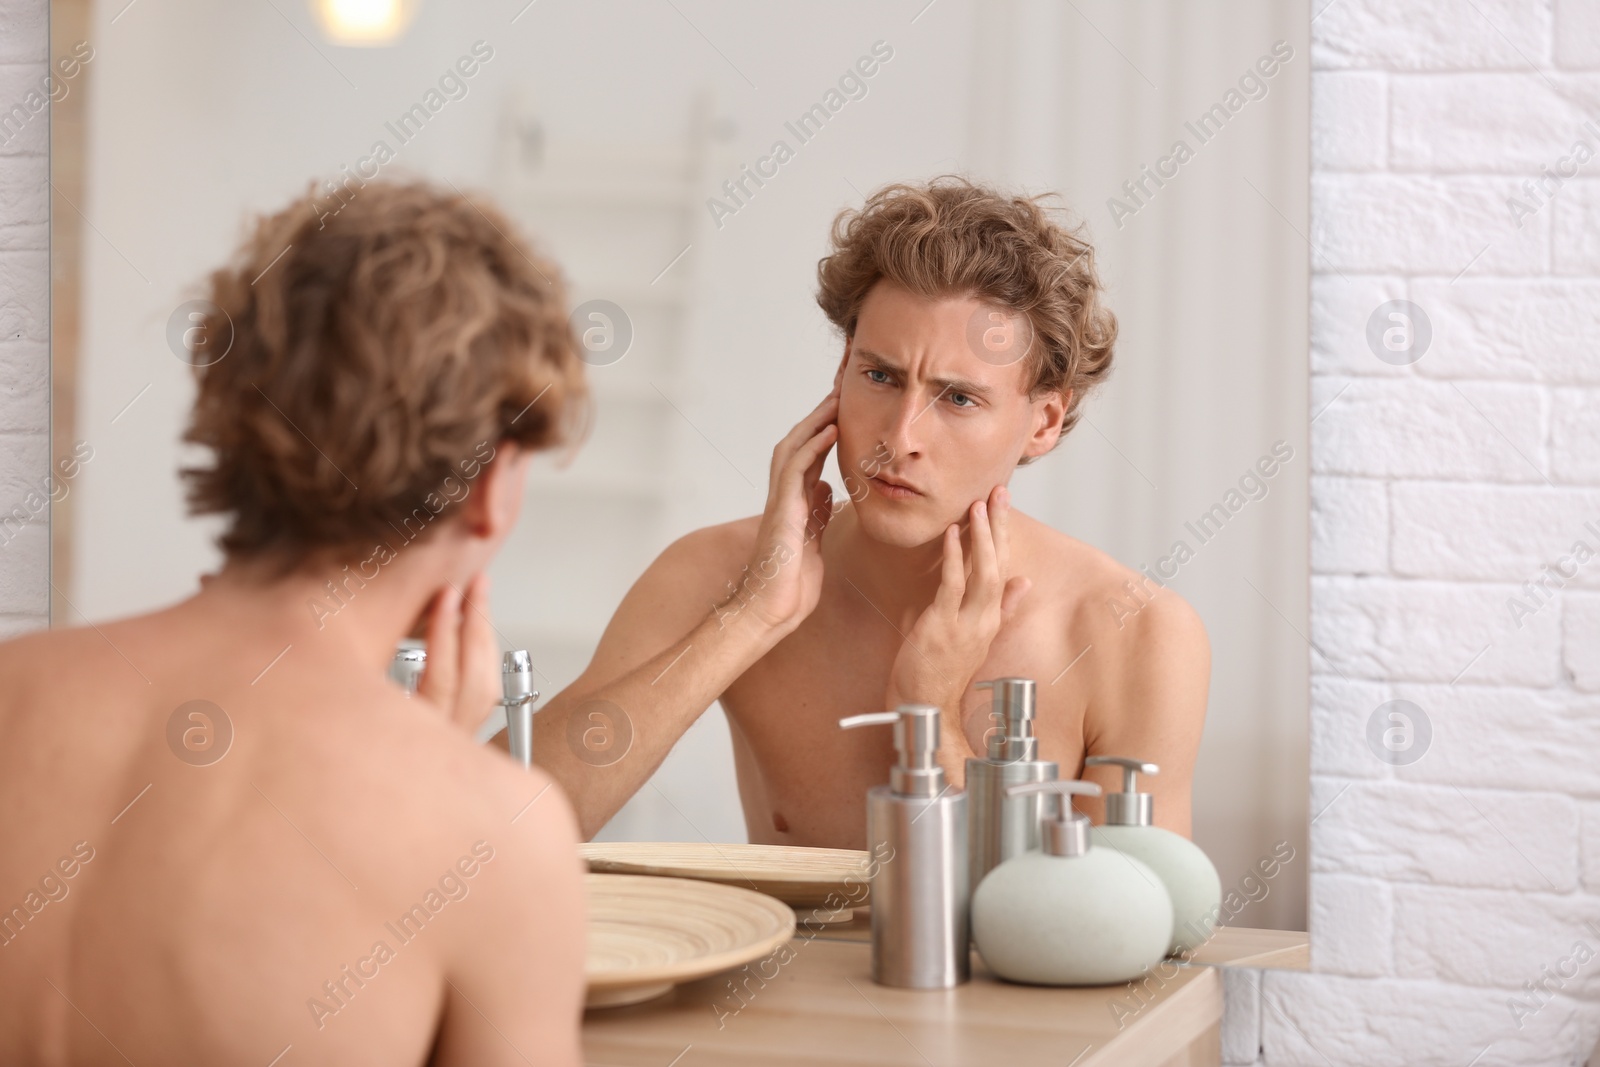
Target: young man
pixel 972 329
pixel 229 838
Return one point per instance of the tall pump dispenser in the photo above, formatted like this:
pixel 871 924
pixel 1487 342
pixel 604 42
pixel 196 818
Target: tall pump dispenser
pixel 1070 913
pixel 1187 872
pixel 917 830
pixel 1000 827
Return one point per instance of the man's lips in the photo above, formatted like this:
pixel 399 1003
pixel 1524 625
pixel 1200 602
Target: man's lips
pixel 893 488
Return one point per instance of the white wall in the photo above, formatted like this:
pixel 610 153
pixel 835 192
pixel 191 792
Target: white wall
pixel 1441 887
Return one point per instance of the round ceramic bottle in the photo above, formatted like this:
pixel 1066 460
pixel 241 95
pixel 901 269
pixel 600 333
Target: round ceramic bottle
pixel 1069 913
pixel 1187 872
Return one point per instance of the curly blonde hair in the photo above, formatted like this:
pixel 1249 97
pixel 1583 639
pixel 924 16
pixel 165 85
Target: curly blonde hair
pixel 953 237
pixel 377 352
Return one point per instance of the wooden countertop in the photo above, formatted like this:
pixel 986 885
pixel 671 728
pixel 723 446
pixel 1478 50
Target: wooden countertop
pixel 815 1002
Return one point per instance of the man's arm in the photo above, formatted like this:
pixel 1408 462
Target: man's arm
pixel 680 637
pixel 1149 704
pixel 666 655
pixel 514 961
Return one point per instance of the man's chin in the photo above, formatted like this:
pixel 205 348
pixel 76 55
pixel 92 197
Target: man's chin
pixel 892 523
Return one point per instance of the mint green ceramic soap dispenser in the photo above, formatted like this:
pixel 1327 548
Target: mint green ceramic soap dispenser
pixel 1070 913
pixel 1189 875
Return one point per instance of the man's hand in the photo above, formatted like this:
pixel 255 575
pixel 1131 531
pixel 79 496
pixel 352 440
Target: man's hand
pixel 783 580
pixel 462 674
pixel 951 639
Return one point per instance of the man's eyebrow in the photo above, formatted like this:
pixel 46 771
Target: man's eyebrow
pixel 946 385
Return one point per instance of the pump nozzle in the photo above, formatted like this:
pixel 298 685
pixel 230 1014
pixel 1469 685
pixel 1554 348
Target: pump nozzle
pixel 1067 833
pixel 1011 738
pixel 1129 807
pixel 916 739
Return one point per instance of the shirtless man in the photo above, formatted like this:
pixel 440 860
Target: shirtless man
pixel 228 837
pixel 972 330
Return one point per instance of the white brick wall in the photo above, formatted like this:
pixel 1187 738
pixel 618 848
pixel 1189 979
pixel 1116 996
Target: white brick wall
pixel 24 317
pixel 1441 887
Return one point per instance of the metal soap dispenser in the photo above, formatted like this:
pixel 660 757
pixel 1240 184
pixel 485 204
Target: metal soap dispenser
pixel 1070 914
pixel 1190 877
pixel 917 827
pixel 1000 827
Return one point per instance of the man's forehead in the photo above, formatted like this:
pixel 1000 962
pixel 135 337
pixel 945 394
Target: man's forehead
pixel 949 339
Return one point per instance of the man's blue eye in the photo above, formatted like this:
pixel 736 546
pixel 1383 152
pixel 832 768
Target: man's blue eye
pixel 962 396
pixel 873 370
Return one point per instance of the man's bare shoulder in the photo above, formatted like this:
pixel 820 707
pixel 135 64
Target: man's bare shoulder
pixel 23 657
pixel 32 653
pixel 462 783
pixel 703 561
pixel 46 667
pixel 1099 597
pixel 367 747
pixel 1147 677
pixel 720 542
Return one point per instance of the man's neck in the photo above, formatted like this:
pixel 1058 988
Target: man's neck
pixel 896 580
pixel 326 611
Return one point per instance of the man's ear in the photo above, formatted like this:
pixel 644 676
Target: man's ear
pixel 838 375
pixel 495 495
pixel 1048 414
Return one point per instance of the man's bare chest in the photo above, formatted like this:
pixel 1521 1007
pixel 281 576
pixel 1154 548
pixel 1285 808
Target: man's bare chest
pixel 786 707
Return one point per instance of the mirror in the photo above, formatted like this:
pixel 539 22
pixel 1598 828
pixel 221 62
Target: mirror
pixel 639 145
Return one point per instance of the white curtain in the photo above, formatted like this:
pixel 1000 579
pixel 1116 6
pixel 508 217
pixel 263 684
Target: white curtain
pixel 1209 281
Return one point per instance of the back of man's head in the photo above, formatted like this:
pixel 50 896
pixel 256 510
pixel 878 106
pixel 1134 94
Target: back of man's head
pixel 370 360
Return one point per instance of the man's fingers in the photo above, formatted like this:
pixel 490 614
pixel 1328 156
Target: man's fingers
pixel 479 641
pixel 476 617
pixel 805 463
pixel 480 656
pixel 818 448
pixel 1000 526
pixel 952 573
pixel 805 430
pixel 1016 589
pixel 821 511
pixel 441 674
pixel 781 522
pixel 985 568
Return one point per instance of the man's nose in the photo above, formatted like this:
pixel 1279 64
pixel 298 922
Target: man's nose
pixel 904 434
